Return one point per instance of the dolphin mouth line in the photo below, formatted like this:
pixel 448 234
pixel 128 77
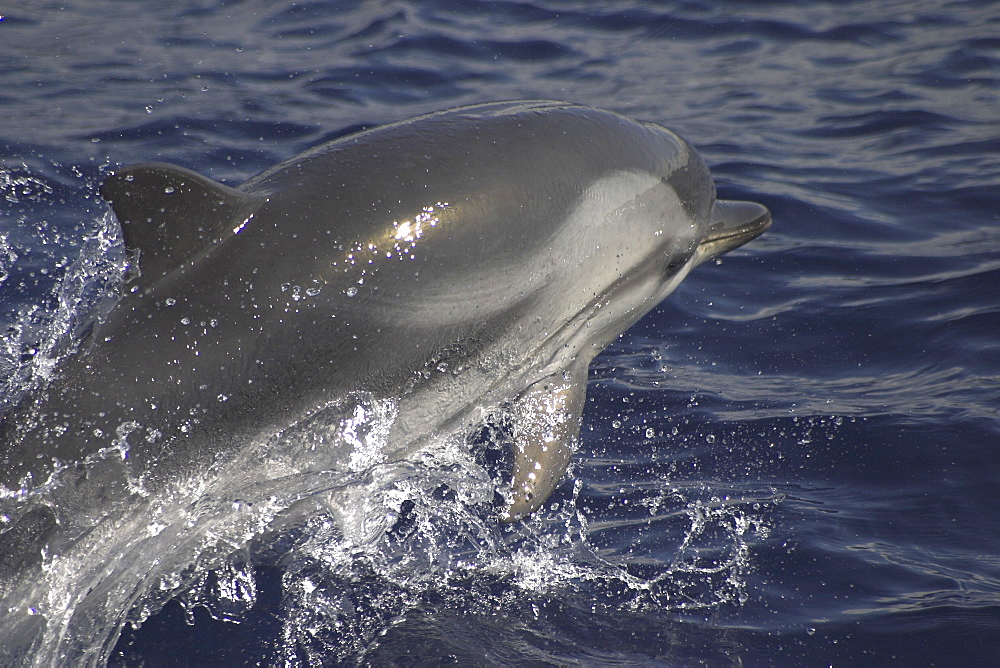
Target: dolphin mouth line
pixel 734 236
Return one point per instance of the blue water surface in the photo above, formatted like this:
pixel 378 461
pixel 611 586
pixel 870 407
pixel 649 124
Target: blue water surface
pixel 794 460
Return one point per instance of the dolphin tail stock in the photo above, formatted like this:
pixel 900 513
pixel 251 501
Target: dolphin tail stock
pixel 171 215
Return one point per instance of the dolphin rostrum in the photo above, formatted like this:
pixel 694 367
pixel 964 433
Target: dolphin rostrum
pixel 443 265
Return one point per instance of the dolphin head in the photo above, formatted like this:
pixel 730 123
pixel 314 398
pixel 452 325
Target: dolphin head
pixel 633 235
pixel 550 409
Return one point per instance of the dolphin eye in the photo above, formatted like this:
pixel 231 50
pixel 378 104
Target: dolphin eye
pixel 674 265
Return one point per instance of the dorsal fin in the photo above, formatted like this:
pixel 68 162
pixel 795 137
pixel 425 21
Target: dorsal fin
pixel 171 214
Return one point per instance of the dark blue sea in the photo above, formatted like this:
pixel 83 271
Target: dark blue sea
pixel 792 461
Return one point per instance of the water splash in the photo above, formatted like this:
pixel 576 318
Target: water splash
pixel 75 262
pixel 419 541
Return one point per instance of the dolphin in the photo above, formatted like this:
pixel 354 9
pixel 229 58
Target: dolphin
pixel 438 267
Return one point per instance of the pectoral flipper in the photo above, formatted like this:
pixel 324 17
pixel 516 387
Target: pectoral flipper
pixel 546 434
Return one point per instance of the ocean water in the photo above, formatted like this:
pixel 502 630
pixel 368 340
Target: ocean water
pixel 794 460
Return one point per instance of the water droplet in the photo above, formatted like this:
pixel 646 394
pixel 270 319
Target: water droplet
pixel 351 291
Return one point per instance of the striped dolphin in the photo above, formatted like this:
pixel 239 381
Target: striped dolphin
pixel 440 267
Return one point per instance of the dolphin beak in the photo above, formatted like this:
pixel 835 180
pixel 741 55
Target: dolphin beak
pixel 732 225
